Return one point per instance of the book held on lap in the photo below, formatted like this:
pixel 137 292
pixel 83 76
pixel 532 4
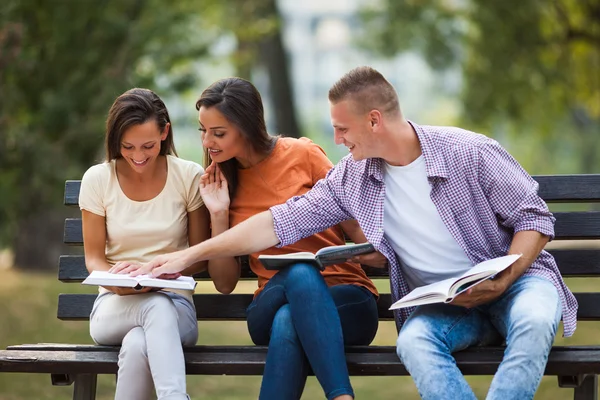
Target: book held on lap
pixel 322 258
pixel 105 278
pixel 445 291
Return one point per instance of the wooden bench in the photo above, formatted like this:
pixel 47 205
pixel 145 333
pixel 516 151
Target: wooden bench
pixel 575 366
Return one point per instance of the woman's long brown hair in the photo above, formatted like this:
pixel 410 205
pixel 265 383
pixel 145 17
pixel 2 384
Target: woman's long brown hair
pixel 240 102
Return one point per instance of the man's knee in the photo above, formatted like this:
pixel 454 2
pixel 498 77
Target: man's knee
pixel 537 313
pixel 410 341
pixel 537 326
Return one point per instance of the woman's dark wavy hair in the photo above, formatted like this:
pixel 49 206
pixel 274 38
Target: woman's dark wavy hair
pixel 134 107
pixel 240 102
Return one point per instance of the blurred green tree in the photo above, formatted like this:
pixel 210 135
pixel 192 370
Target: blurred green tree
pixel 256 25
pixel 62 63
pixel 528 66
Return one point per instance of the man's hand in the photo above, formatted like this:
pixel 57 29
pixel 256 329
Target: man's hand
pixel 482 293
pixel 165 265
pixel 374 259
pixel 128 267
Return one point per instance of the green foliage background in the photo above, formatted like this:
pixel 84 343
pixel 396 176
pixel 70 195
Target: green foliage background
pixel 529 76
pixel 530 69
pixel 61 66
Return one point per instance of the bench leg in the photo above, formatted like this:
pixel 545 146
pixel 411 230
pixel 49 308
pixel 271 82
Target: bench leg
pixel 85 387
pixel 588 390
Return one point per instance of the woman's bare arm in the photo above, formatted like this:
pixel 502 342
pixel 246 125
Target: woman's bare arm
pixel 94 248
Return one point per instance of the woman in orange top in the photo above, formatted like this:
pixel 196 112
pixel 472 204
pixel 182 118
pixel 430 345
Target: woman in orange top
pixel 306 317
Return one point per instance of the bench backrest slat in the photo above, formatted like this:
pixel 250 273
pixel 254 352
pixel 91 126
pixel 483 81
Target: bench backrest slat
pixel 553 189
pixel 572 263
pixel 569 188
pixel 569 226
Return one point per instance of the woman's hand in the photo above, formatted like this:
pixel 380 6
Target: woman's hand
pixel 214 190
pixel 125 267
pixel 374 259
pixel 128 267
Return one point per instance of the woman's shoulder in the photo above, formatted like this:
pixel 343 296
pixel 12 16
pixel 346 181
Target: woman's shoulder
pixel 95 183
pixel 184 167
pixel 301 144
pixel 98 173
pixel 183 174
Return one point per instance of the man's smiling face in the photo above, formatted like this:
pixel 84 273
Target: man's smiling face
pixel 352 128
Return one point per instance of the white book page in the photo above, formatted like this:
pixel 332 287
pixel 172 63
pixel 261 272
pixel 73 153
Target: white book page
pixel 182 282
pixel 105 278
pixel 439 289
pixel 110 275
pixel 494 265
pixel 303 255
pixel 445 288
pixel 350 249
pixel 150 278
pixel 482 271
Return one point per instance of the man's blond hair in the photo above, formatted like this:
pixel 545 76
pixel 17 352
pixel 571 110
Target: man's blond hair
pixel 368 90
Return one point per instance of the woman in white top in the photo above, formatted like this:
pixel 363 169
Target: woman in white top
pixel 142 202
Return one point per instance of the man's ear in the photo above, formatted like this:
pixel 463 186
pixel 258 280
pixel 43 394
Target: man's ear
pixel 375 119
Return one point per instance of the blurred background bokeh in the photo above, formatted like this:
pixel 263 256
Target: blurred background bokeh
pixel 526 72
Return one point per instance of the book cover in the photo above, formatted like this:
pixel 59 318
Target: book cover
pixel 326 256
pixel 105 278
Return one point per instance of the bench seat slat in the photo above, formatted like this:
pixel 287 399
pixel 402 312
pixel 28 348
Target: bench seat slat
pixel 217 307
pixel 572 263
pixel 250 360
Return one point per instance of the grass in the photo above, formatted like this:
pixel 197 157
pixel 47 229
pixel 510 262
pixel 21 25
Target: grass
pixel 28 315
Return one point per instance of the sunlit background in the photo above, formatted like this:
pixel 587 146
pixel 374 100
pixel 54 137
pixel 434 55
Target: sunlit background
pixel 526 72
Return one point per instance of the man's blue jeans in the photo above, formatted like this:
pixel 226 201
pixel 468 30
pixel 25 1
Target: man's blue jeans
pixel 306 324
pixel 526 315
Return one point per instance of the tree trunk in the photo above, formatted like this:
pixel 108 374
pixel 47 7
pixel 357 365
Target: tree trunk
pixel 273 56
pixel 38 242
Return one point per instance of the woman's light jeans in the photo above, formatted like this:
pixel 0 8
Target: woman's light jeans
pixel 151 328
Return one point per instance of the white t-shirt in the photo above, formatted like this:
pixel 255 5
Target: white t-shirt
pixel 140 230
pixel 411 223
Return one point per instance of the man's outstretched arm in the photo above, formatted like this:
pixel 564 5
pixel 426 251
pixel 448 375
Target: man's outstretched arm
pixel 255 234
pixel 299 217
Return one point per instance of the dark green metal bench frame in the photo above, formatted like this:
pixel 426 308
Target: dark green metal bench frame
pixel 575 366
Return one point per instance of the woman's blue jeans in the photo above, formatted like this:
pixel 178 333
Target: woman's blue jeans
pixel 306 325
pixel 526 316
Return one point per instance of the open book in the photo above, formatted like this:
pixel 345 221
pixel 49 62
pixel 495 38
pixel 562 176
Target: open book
pixel 445 291
pixel 324 257
pixel 105 278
